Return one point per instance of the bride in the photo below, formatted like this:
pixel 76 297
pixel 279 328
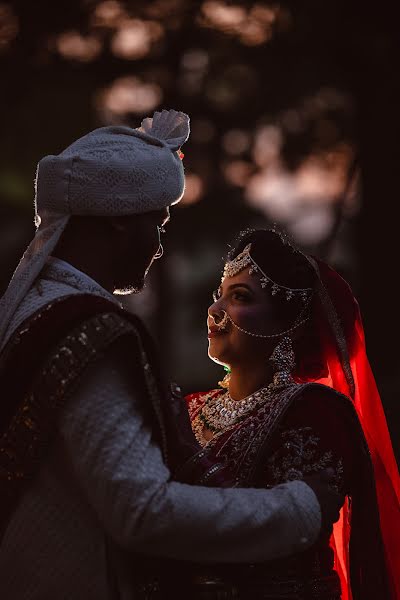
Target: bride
pixel 299 397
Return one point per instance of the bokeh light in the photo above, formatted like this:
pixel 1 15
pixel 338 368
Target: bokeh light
pixel 108 14
pixel 312 225
pixel 8 25
pixel 194 189
pixel 195 59
pixel 252 26
pixel 194 65
pixel 303 198
pixel 267 145
pixel 223 16
pixel 236 141
pixel 238 172
pixel 134 38
pixel 73 45
pixel 127 95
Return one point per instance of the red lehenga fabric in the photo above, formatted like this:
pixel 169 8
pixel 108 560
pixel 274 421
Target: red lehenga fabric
pixel 368 405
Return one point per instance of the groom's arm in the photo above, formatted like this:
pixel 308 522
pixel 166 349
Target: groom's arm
pixel 111 447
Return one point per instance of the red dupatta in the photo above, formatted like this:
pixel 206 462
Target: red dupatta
pixel 364 393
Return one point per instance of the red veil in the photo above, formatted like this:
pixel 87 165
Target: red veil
pixel 343 346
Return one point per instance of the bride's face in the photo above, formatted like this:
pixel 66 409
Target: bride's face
pixel 250 307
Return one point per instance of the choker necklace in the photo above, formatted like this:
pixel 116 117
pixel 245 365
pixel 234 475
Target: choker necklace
pixel 219 413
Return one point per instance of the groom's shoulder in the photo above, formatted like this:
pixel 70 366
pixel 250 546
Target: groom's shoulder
pixel 77 325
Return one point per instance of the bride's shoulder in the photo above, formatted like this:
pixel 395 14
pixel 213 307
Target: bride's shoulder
pixel 314 392
pixel 315 401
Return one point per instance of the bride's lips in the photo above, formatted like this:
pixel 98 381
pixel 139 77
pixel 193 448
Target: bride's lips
pixel 215 332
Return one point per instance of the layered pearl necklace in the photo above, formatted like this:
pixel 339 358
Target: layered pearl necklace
pixel 219 413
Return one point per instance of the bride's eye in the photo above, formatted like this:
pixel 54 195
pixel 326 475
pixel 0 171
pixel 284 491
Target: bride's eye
pixel 241 296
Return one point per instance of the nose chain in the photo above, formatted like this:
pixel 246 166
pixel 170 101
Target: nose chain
pixel 221 325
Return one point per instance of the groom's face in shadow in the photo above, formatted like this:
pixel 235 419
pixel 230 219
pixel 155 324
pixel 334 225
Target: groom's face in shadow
pixel 136 244
pixel 117 252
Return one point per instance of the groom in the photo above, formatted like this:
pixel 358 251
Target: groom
pixel 83 448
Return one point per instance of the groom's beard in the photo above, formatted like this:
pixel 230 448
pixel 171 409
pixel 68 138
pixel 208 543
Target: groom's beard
pixel 124 288
pixel 125 285
pixel 131 288
pixel 126 291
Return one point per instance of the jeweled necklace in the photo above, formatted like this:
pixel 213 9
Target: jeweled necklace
pixel 219 413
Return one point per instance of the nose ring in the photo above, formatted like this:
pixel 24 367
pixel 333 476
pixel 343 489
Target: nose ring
pixel 222 322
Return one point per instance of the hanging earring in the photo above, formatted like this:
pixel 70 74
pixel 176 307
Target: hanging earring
pixel 283 361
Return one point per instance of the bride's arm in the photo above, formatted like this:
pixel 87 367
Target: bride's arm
pixel 316 434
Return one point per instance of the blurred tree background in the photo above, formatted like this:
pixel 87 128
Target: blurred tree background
pixel 295 120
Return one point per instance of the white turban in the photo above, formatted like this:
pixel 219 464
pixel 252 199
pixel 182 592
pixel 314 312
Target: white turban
pixel 111 171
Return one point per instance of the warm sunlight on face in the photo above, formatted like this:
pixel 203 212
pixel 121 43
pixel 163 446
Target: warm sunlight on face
pixel 250 307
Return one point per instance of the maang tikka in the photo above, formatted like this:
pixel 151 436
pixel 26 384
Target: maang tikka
pixel 284 361
pixel 243 261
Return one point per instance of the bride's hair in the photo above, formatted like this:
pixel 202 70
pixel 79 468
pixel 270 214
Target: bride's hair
pixel 277 256
pixel 281 261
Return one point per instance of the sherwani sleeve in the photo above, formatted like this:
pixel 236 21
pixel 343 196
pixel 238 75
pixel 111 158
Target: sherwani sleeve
pixel 109 443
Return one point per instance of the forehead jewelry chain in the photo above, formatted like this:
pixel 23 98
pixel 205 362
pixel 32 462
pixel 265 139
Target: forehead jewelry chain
pixel 244 260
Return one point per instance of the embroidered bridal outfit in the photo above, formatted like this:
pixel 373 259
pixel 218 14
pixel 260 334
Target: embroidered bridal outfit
pixel 318 411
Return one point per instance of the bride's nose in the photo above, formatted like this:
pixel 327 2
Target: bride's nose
pixel 217 317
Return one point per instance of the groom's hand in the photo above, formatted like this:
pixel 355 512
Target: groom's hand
pixel 189 463
pixel 330 500
pixel 182 443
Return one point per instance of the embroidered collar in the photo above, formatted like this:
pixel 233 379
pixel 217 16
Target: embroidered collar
pixel 63 272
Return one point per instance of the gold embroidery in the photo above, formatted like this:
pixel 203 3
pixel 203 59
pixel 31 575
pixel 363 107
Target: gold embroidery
pixel 25 441
pixel 300 455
